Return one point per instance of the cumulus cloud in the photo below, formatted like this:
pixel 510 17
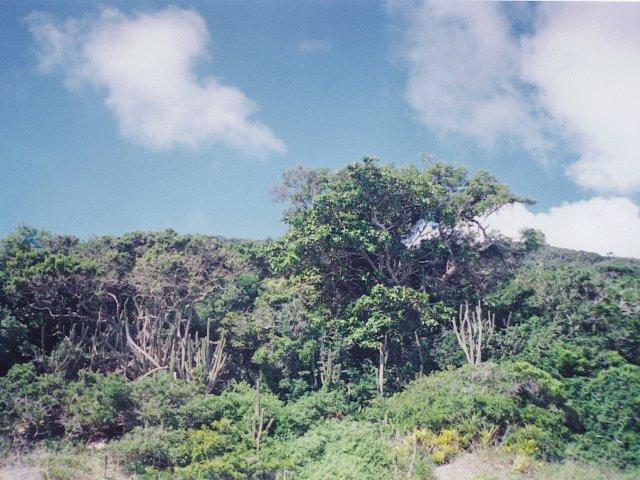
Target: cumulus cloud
pixel 310 46
pixel 144 63
pixel 602 225
pixel 573 75
pixel 585 61
pixel 464 76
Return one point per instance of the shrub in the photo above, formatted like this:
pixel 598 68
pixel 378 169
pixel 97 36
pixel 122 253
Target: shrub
pixel 149 448
pixel 344 450
pixel 475 400
pixel 533 441
pixel 216 452
pixel 545 347
pixel 99 406
pixel 440 447
pixel 237 404
pixel 31 406
pixel 13 339
pixel 310 409
pixel 161 401
pixel 67 359
pixel 608 406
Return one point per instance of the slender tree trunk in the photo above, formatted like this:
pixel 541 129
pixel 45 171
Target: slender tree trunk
pixel 420 354
pixel 383 355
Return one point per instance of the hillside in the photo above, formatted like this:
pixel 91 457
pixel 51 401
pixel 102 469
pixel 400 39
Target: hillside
pixel 387 334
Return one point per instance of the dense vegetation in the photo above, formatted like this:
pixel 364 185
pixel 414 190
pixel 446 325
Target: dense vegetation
pixel 387 331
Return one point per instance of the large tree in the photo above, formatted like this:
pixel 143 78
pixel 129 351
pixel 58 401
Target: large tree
pixel 389 244
pixel 373 224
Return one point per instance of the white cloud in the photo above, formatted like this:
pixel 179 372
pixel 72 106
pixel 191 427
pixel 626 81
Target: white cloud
pixel 310 46
pixel 145 65
pixel 600 225
pixel 464 73
pixel 585 60
pixel 575 76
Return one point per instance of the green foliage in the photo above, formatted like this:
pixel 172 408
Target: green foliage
pixel 588 303
pixel 355 227
pixel 198 454
pixel 146 449
pixel 342 450
pixel 99 406
pixel 39 406
pixel 440 447
pixel 388 312
pixel 310 409
pixel 284 330
pixel 213 453
pixel 165 402
pixel 532 239
pixel 67 359
pixel 356 299
pixel 534 441
pixel 473 399
pixel 238 405
pixel 30 405
pixel 13 339
pixel 608 406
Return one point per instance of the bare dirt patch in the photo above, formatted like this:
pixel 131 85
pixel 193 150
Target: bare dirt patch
pixel 13 469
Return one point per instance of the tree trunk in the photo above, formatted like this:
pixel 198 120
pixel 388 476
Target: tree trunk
pixel 382 360
pixel 420 354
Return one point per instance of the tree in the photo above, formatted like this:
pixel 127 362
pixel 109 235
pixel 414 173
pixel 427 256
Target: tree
pixel 389 317
pixel 285 332
pixel 373 224
pixel 13 339
pixel 381 239
pixel 47 285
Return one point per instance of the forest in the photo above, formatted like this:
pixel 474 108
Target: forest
pixel 385 334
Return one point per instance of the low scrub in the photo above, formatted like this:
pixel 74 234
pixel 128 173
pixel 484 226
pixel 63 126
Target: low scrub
pixel 488 403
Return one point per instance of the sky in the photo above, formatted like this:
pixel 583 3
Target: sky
pixel 121 116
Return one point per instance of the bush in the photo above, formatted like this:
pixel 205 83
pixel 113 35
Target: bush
pixel 67 359
pixel 13 340
pixel 474 400
pixel 533 441
pixel 310 409
pixel 31 406
pixel 36 406
pixel 99 406
pixel 149 448
pixel 216 452
pixel 608 406
pixel 166 402
pixel 237 404
pixel 342 450
pixel 545 347
pixel 440 447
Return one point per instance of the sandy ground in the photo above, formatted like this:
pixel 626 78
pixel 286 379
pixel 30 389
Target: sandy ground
pixel 467 467
pixel 19 472
pixel 85 465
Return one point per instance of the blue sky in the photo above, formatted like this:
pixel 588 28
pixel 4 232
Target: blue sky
pixel 101 134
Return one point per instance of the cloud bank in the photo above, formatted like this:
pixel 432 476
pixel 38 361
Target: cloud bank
pixel 472 70
pixel 601 225
pixel 144 63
